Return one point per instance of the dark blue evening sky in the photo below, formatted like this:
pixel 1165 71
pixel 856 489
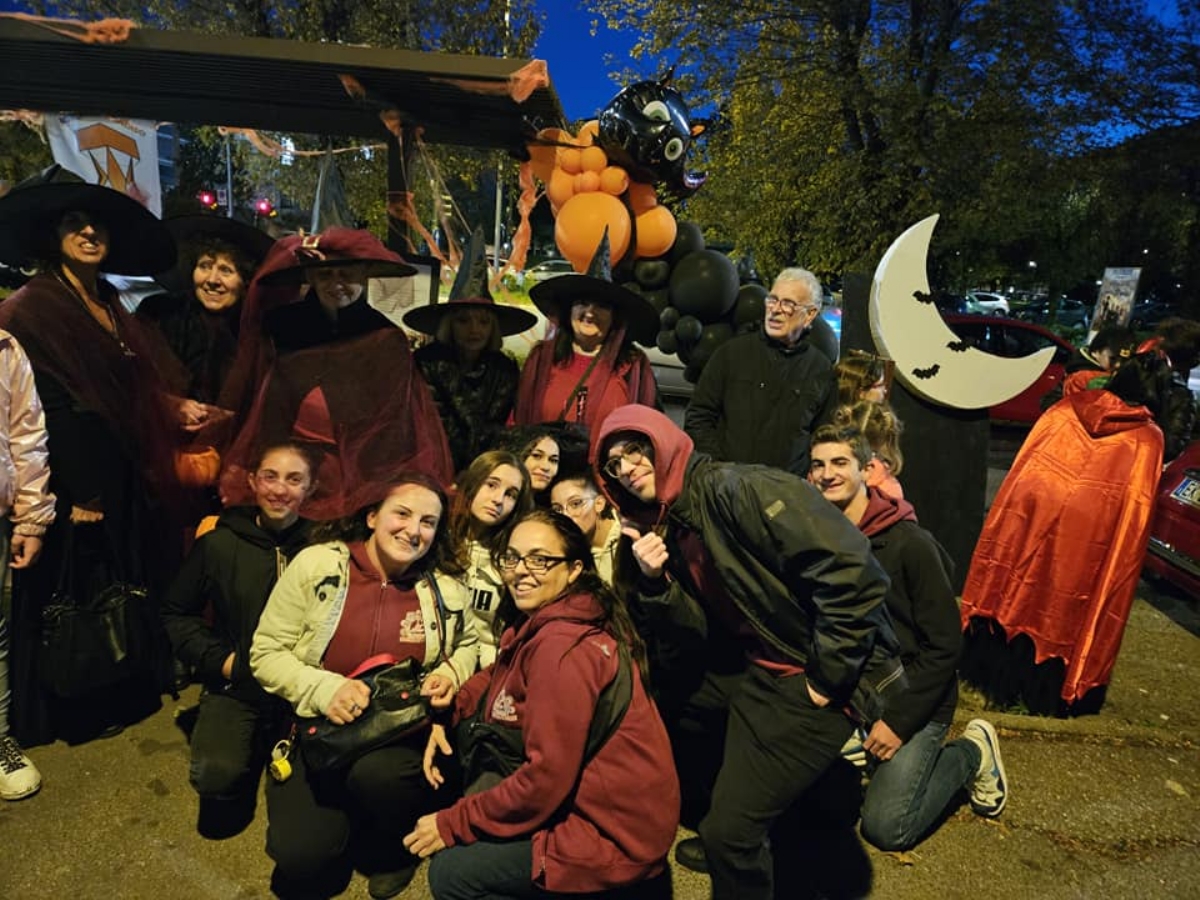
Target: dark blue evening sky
pixel 576 59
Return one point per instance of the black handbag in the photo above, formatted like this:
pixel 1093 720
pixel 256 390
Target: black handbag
pixel 490 752
pixel 395 711
pixel 92 642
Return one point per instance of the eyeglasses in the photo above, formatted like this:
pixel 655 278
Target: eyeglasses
pixel 632 453
pixel 574 505
pixel 536 563
pixel 787 307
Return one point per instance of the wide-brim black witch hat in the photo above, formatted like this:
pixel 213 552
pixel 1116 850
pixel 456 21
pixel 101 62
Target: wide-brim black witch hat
pixel 253 243
pixel 336 247
pixel 30 213
pixel 555 296
pixel 470 291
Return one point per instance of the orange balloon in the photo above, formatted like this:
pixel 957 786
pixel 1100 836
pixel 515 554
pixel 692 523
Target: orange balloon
pixel 656 230
pixel 587 181
pixel 642 197
pixel 614 180
pixel 594 159
pixel 570 159
pixel 589 132
pixel 560 188
pixel 580 225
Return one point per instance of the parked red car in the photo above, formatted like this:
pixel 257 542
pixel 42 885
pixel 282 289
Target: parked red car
pixel 1174 552
pixel 1013 338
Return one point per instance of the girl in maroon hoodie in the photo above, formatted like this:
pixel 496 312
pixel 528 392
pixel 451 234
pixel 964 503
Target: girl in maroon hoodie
pixel 560 824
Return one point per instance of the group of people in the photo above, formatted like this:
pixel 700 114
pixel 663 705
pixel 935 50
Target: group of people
pixel 752 588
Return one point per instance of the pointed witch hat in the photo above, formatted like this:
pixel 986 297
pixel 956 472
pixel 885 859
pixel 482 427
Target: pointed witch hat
pixel 555 296
pixel 470 291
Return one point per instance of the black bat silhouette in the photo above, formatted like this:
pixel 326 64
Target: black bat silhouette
pixel 927 373
pixel 959 346
pixel 922 297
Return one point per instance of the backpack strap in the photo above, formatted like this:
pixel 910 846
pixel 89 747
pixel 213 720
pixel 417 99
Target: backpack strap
pixel 611 706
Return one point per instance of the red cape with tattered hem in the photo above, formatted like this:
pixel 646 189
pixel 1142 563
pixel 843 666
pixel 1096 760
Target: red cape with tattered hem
pixel 1061 551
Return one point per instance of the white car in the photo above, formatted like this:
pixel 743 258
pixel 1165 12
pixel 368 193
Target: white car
pixel 551 268
pixel 986 303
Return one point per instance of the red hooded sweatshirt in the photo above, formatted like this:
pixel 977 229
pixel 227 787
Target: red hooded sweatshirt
pixel 620 813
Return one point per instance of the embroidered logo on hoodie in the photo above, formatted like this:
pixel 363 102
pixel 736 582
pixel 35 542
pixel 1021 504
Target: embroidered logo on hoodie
pixel 412 628
pixel 504 708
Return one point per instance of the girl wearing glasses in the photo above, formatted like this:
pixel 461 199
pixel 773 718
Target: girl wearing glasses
pixel 577 497
pixel 565 822
pixel 494 487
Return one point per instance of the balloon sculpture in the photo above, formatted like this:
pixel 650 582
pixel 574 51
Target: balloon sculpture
pixel 605 176
pixel 608 176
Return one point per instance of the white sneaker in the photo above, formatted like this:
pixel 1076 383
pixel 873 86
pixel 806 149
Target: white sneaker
pixel 989 790
pixel 19 777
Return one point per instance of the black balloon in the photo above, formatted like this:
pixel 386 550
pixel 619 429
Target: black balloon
pixel 659 298
pixel 669 317
pixel 688 330
pixel 652 273
pixel 704 284
pixel 710 339
pixel 750 306
pixel 666 341
pixel 646 130
pixel 688 239
pixel 632 286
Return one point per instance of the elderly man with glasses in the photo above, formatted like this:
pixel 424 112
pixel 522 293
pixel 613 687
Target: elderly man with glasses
pixel 762 394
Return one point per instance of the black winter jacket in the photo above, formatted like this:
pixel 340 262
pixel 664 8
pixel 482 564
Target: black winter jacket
pixel 924 613
pixel 800 573
pixel 758 401
pixel 231 570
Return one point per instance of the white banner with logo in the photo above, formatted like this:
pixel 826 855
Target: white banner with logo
pixel 116 153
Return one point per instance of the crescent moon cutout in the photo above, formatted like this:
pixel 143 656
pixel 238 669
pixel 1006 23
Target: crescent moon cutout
pixel 932 360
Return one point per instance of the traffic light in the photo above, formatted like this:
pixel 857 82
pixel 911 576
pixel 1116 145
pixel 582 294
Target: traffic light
pixel 207 199
pixel 264 207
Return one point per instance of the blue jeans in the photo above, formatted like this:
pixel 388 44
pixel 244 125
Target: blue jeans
pixel 503 870
pixel 909 793
pixel 485 869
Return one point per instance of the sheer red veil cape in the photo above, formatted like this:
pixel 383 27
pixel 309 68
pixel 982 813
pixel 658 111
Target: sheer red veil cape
pixel 360 401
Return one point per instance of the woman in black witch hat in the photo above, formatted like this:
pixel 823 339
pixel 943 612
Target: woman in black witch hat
pixel 198 320
pixel 198 316
pixel 111 424
pixel 590 366
pixel 474 383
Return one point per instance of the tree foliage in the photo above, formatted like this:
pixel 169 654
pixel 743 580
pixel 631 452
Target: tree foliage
pixel 842 122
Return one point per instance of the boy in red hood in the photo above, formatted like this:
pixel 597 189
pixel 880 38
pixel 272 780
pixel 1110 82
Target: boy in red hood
pixel 916 778
pixel 760 554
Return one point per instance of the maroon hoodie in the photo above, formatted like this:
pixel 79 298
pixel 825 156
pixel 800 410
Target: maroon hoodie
pixel 622 810
pixel 883 511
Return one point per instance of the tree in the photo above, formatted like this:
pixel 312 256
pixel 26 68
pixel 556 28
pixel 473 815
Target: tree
pixel 845 121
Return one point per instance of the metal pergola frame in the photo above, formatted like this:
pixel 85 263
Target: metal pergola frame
pixel 277 85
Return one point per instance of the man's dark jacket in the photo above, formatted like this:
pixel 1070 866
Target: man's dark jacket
pixel 800 573
pixel 758 401
pixel 923 610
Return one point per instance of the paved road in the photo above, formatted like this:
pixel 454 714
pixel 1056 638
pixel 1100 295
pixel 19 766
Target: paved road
pixel 1102 806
